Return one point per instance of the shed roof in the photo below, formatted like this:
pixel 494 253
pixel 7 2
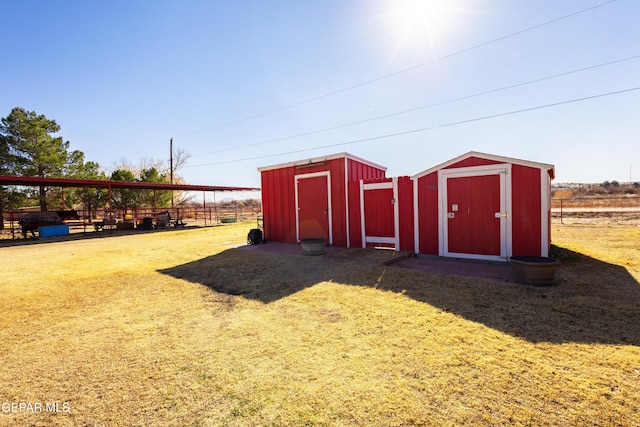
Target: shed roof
pixel 90 183
pixel 320 159
pixel 502 159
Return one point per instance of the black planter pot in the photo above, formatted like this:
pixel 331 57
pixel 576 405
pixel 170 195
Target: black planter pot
pixel 534 270
pixel 313 246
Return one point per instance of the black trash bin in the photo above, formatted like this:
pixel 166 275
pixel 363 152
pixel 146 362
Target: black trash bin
pixel 147 224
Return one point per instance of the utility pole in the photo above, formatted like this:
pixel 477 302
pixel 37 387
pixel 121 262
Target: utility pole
pixel 171 166
pixel 171 160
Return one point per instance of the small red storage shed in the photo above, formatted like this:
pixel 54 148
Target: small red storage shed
pixel 315 198
pixel 477 205
pixel 483 206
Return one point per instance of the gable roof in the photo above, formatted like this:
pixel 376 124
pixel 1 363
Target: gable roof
pixel 342 155
pixel 501 159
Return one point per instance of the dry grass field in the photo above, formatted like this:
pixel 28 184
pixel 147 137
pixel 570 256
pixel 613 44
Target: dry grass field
pixel 618 209
pixel 182 328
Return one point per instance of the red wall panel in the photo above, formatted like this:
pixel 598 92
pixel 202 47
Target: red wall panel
pixel 428 214
pixel 526 210
pixel 338 202
pixel 405 213
pixel 278 204
pixel 278 198
pixel 357 171
pixel 355 222
pixel 472 161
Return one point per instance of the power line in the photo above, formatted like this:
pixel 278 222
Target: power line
pixel 149 148
pixel 555 104
pixel 411 110
pixel 476 119
pixel 405 70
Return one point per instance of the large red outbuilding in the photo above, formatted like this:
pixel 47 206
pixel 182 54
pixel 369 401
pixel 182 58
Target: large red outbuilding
pixel 477 205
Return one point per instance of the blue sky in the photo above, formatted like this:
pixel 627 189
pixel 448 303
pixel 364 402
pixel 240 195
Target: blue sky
pixel 230 81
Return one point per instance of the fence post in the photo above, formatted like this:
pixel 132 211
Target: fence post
pixel 561 219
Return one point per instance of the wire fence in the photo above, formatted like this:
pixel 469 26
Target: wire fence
pixel 613 210
pixel 132 219
pixel 589 210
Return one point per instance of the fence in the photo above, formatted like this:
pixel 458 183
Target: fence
pixel 95 220
pixel 623 210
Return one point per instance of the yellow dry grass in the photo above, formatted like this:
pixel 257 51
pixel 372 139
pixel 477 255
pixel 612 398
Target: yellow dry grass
pixel 180 328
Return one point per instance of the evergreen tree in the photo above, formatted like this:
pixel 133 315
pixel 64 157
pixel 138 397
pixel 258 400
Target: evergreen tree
pixel 154 198
pixel 33 150
pixel 10 197
pixel 90 198
pixel 123 198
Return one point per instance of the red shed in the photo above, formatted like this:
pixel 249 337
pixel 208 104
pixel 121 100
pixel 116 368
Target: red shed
pixel 483 206
pixel 386 214
pixel 315 198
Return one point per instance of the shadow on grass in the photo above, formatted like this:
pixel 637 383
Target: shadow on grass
pixel 592 302
pixel 90 233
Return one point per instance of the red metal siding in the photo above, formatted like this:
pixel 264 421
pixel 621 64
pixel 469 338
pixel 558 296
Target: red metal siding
pixel 405 213
pixel 278 205
pixel 357 171
pixel 278 198
pixel 472 161
pixel 547 196
pixel 526 210
pixel 355 222
pixel 338 202
pixel 428 214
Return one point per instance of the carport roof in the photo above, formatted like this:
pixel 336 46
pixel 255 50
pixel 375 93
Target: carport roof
pixel 90 183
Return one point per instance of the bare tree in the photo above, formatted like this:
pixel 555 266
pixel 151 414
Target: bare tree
pixel 163 168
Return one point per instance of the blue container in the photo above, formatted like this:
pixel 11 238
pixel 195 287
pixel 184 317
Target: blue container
pixel 53 230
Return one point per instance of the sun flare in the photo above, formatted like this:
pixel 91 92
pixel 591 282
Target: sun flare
pixel 417 24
